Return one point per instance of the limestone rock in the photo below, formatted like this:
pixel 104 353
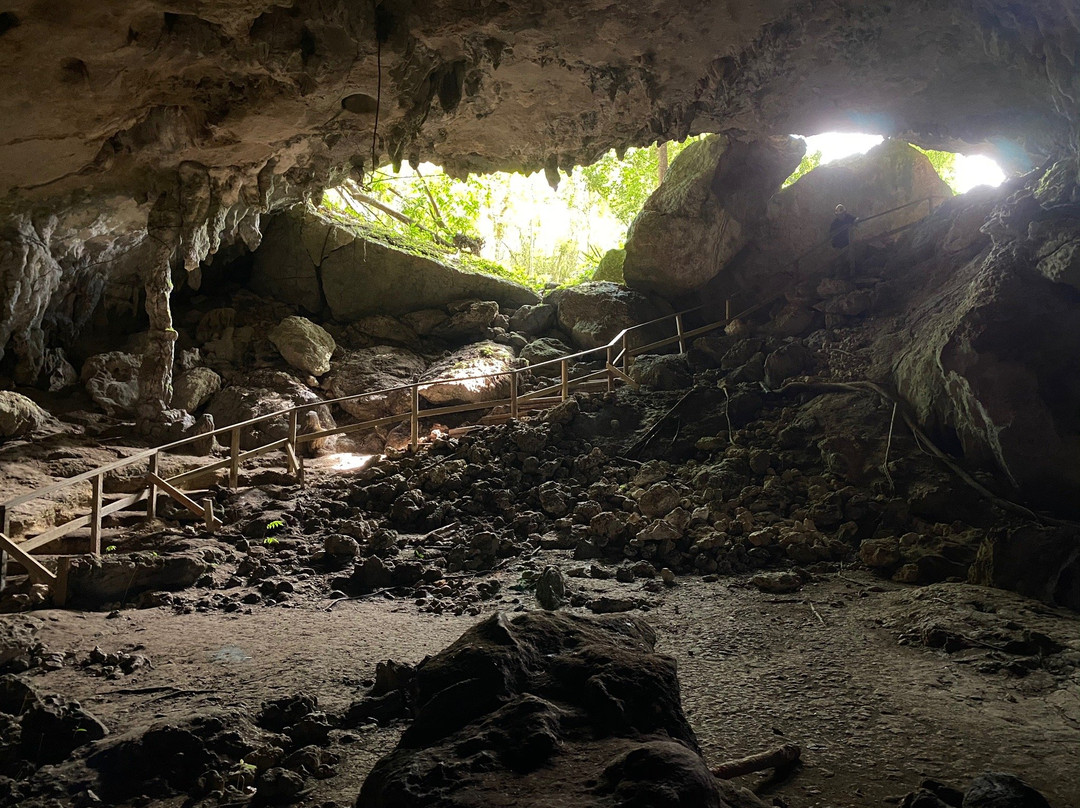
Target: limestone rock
pixel 993 340
pixel 194 388
pixel 551 588
pixel 363 273
pixel 535 320
pixel 112 380
pixel 304 345
pixel 543 350
pixel 999 790
pixel 18 636
pixel 529 699
pixel 610 267
pixel 260 393
pixel 111 579
pixel 666 372
pixel 368 370
pixel 594 313
pixel 19 416
pixel 458 369
pixel 705 212
pixel 379 329
pixel 796 226
pixel 777 583
pixel 880 552
pixel 468 318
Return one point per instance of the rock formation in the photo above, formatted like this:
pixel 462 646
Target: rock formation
pixel 705 212
pixel 521 708
pixel 140 139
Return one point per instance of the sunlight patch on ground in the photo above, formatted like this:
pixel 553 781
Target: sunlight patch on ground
pixel 348 461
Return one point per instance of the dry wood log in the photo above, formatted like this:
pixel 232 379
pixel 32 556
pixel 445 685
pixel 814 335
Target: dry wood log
pixel 780 758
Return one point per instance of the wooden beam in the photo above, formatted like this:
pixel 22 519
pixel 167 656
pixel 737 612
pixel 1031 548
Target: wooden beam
pixel 38 573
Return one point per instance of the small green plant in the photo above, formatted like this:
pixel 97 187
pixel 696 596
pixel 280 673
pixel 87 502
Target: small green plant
pixel 277 524
pixel 270 540
pixel 419 552
pixel 111 548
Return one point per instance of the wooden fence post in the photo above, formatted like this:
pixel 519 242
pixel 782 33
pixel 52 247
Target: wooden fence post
pixel 610 371
pixel 234 458
pixel 414 417
pixel 513 394
pixel 564 371
pixel 727 303
pixel 95 515
pixel 5 518
pixel 208 514
pixel 679 332
pixel 625 355
pixel 151 502
pixel 294 428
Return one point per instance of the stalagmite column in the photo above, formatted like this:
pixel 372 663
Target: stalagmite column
pixel 155 376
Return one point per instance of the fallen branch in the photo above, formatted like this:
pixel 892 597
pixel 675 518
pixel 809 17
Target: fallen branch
pixel 655 428
pixel 782 757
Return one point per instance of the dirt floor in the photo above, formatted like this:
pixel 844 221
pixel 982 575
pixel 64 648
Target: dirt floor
pixel 825 668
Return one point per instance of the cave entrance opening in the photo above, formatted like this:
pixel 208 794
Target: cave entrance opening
pixel 961 172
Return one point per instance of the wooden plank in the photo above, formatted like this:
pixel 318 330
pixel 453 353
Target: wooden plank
pixel 564 380
pixel 95 515
pixel 151 502
pixel 234 458
pixel 78 478
pixel 618 373
pixel 296 466
pixel 194 474
pixel 414 418
pixel 125 503
pixel 513 394
pixel 38 573
pixel 179 496
pixel 5 528
pixel 54 533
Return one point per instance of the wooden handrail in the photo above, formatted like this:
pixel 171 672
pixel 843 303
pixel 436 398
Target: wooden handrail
pixel 608 357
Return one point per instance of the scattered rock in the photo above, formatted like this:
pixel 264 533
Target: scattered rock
pixel 193 388
pixel 777 583
pixel 551 588
pixel 457 372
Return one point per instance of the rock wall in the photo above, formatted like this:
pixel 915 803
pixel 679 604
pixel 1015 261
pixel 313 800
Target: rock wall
pixel 145 133
pixel 988 350
pixel 313 261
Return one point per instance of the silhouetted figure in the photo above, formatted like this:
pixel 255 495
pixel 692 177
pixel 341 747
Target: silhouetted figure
pixel 840 229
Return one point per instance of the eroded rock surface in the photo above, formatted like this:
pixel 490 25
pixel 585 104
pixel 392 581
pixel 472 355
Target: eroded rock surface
pixel 521 708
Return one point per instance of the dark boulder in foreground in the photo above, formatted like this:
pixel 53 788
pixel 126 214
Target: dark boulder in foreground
pixel 543 709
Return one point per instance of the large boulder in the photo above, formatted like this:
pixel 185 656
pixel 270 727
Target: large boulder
pixel 705 211
pixel 548 708
pixel 260 393
pixel 360 273
pixel 368 370
pixel 19 416
pixel 304 345
pixel 794 236
pixel 112 380
pixel 193 388
pixel 458 370
pixel 594 313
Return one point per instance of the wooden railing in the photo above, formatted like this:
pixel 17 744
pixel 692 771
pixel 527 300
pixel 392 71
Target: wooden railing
pixel 617 356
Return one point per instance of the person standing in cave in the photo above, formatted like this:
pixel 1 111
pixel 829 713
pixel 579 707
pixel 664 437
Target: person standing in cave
pixel 840 236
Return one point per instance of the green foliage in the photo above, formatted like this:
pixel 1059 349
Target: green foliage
pixel 625 183
pixel 808 164
pixel 111 548
pixel 277 524
pixel 270 541
pixel 944 164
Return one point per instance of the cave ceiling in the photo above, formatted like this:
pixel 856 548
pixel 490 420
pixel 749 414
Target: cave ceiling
pixel 111 98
